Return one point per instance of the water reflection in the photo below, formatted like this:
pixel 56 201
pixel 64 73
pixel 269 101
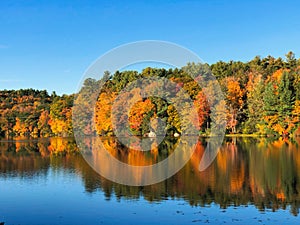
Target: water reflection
pixel 246 171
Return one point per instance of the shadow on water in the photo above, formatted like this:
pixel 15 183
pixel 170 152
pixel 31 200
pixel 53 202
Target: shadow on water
pixel 246 171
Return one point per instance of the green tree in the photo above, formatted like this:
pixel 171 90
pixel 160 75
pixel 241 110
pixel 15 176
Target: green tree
pixel 278 104
pixel 255 104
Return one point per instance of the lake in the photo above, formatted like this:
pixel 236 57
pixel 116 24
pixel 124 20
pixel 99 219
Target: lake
pixel 251 181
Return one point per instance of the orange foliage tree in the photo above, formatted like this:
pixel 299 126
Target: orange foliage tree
pixel 235 102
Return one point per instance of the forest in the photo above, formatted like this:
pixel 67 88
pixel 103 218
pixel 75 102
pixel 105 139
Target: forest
pixel 262 98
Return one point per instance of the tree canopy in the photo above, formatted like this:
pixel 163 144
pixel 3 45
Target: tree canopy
pixel 262 96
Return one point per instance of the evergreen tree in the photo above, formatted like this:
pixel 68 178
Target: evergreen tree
pixel 255 106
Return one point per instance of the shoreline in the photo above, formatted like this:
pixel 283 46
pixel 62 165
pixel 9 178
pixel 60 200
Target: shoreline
pixel 26 139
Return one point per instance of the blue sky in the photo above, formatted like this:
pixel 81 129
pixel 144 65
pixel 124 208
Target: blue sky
pixel 49 44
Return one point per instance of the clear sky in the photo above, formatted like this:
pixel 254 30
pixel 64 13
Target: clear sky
pixel 49 44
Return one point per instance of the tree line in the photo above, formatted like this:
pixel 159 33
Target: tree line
pixel 34 113
pixel 262 97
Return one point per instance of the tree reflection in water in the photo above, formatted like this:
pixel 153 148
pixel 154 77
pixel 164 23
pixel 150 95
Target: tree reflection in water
pixel 262 172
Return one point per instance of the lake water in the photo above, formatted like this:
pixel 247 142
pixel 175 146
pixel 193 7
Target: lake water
pixel 251 181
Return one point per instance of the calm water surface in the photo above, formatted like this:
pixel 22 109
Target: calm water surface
pixel 252 181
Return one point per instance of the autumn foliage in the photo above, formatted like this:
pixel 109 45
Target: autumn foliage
pixel 262 96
